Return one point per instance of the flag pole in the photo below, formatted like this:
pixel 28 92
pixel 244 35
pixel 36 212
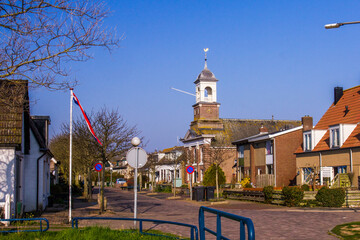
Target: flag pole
pixel 70 158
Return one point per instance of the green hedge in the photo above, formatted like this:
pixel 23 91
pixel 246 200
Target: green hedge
pixel 292 196
pixel 305 187
pixel 268 193
pixel 331 197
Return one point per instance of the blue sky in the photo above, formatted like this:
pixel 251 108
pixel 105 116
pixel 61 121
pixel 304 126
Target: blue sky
pixel 271 58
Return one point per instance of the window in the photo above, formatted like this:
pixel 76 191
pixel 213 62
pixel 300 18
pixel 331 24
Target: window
pixel 270 169
pixel 307 172
pixel 307 141
pixel 241 151
pixel 334 137
pixel 269 148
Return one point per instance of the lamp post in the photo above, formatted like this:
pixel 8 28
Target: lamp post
pixel 337 25
pixel 135 142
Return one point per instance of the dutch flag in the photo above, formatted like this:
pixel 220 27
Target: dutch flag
pixel 77 102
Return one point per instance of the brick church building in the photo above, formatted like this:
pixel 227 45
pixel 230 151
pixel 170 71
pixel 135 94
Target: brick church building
pixel 210 136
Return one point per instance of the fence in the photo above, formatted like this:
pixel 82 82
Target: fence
pixel 193 229
pixel 243 221
pixel 26 230
pixel 264 180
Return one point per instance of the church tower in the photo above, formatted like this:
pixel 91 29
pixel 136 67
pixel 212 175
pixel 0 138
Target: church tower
pixel 206 108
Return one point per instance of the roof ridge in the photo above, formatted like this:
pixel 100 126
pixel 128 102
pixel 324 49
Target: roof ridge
pixel 351 88
pixel 247 119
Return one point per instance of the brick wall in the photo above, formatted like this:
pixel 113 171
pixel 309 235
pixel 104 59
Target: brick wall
pixel 204 111
pixel 285 146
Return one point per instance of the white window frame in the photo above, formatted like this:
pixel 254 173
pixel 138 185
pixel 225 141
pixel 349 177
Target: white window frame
pixel 335 142
pixel 307 142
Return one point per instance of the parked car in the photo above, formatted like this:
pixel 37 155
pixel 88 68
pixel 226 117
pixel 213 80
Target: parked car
pixel 120 181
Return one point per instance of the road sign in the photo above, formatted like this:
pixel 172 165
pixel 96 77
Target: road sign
pixel 190 169
pixel 131 157
pixel 98 167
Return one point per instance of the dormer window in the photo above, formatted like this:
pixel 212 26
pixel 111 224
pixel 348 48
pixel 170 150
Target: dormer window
pixel 335 137
pixel 307 141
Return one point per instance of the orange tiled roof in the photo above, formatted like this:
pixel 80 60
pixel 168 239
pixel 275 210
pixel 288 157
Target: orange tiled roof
pixel 337 114
pixel 354 139
pixel 346 111
pixel 324 143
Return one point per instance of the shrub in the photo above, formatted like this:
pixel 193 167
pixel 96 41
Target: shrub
pixel 210 176
pixel 292 196
pixel 245 181
pixel 248 185
pixel 268 193
pixel 329 197
pixel 305 187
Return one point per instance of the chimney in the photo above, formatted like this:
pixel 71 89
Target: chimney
pixel 263 130
pixel 338 92
pixel 307 122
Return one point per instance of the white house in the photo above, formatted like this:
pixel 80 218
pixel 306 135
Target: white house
pixel 24 156
pixel 168 163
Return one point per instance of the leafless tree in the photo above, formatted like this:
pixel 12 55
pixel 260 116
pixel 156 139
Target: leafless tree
pixel 115 135
pixel 112 130
pixel 39 37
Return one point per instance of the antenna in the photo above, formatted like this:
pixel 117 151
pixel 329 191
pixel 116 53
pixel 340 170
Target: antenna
pixel 183 91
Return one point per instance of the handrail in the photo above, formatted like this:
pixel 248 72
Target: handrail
pixel 193 228
pixel 27 219
pixel 243 221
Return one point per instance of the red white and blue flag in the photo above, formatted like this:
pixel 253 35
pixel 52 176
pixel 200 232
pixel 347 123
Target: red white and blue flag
pixel 77 102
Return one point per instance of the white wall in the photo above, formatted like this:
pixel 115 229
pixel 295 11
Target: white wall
pixel 30 177
pixel 7 175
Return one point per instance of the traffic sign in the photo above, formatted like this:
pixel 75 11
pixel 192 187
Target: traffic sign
pixel 131 157
pixel 98 167
pixel 190 169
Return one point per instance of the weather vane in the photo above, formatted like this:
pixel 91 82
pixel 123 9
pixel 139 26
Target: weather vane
pixel 206 50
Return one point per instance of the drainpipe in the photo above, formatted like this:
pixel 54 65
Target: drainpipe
pixel 274 159
pixel 320 172
pixel 351 161
pixel 37 180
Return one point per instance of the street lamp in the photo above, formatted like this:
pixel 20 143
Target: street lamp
pixel 337 25
pixel 135 142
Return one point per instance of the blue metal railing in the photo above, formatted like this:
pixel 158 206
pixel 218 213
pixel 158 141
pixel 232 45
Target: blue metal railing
pixel 26 230
pixel 193 228
pixel 243 221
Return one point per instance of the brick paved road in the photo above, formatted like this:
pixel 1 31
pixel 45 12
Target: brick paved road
pixel 271 222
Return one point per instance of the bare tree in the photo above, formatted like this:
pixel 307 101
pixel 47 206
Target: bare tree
pixel 38 38
pixel 112 130
pixel 150 165
pixel 176 162
pixel 115 135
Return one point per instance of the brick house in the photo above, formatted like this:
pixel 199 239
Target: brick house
pixel 333 145
pixel 24 155
pixel 268 158
pixel 209 134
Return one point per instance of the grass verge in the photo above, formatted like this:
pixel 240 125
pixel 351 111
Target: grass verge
pixel 89 233
pixel 348 231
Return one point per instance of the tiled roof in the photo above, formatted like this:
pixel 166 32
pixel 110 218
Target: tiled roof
pixel 324 143
pixel 346 111
pixel 235 129
pixel 337 114
pixel 11 111
pixel 354 139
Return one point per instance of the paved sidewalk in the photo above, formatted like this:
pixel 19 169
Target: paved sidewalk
pixel 271 221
